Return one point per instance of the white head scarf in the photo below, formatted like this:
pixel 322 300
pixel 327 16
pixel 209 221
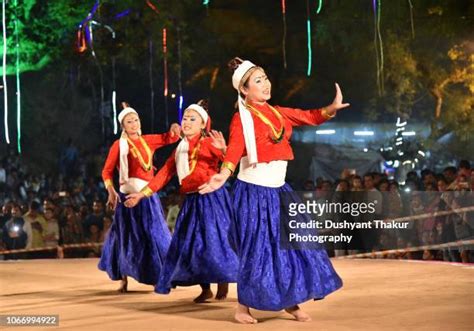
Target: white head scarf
pixel 245 115
pixel 181 156
pixel 123 146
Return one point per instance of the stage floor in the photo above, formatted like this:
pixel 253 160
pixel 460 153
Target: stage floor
pixel 377 295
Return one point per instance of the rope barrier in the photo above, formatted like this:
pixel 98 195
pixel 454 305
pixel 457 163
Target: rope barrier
pixel 410 249
pixel 40 249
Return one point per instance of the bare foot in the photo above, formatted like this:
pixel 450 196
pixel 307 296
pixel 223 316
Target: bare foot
pixel 123 285
pixel 242 315
pixel 205 294
pixel 222 290
pixel 299 315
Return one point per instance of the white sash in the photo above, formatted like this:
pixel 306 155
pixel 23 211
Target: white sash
pixel 270 174
pixel 133 185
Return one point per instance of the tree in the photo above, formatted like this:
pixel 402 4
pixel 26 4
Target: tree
pixel 453 89
pixel 40 27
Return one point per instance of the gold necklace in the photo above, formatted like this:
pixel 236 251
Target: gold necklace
pixel 194 156
pixel 277 134
pixel 137 154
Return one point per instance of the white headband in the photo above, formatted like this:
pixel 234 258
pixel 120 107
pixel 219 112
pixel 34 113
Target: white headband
pixel 240 72
pixel 125 112
pixel 201 111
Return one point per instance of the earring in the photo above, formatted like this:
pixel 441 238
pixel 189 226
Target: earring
pixel 203 132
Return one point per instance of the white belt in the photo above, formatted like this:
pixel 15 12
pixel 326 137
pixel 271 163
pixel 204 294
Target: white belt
pixel 270 174
pixel 133 185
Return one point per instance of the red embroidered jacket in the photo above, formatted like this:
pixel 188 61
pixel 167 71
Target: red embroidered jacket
pixel 153 142
pixel 206 164
pixel 267 150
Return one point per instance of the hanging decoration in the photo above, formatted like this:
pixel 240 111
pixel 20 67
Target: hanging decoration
pixel 152 86
pixel 180 86
pixel 5 92
pixel 165 71
pixel 90 37
pixel 378 45
pixel 401 151
pixel 215 72
pixel 308 27
pixel 412 23
pixel 320 6
pixel 83 32
pixel 283 42
pixel 165 53
pixel 114 106
pixel 18 85
pixel 122 14
pixel 114 97
pixel 84 39
pixel 152 6
pixel 206 4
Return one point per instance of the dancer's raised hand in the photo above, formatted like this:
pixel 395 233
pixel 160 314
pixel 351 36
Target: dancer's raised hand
pixel 337 104
pixel 218 140
pixel 175 129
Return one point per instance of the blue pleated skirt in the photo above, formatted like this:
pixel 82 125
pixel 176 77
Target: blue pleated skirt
pixel 200 251
pixel 137 242
pixel 270 277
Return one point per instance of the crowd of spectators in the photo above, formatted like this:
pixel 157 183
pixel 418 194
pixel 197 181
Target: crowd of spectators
pixel 40 211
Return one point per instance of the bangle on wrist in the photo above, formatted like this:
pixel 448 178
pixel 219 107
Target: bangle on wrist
pixel 229 166
pixel 147 192
pixel 108 183
pixel 326 115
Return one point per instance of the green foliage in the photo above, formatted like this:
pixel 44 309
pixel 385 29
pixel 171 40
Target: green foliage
pixel 43 31
pixel 416 69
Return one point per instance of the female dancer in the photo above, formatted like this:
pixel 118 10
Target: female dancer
pixel 199 252
pixel 138 238
pixel 270 277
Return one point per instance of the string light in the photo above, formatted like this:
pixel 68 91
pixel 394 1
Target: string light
pixel 165 51
pixel 114 107
pixel 18 89
pixel 283 42
pixel 325 131
pixel 308 23
pixel 320 6
pixel 5 92
pixel 411 20
pixel 152 6
pixel 180 85
pixel 181 101
pixel 165 70
pixel 363 133
pixel 308 28
pixel 377 5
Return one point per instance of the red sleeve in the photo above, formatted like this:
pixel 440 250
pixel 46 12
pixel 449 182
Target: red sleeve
pixel 158 140
pixel 236 145
pixel 302 117
pixel 164 175
pixel 110 164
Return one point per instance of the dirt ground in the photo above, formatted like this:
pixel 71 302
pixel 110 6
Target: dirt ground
pixel 377 295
